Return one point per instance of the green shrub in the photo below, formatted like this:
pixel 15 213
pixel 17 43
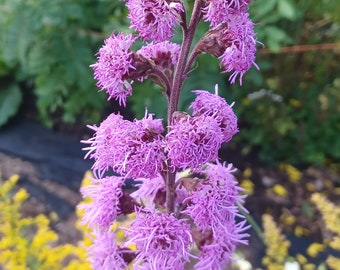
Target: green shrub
pixel 48 46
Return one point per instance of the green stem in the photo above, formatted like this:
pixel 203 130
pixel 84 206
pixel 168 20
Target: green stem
pixel 256 227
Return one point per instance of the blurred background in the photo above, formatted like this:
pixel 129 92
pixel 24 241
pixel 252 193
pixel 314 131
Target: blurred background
pixel 289 111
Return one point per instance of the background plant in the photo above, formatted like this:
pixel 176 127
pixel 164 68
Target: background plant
pixel 28 242
pixel 48 47
pixel 278 255
pixel 291 109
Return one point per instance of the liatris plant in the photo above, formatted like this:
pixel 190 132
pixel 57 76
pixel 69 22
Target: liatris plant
pixel 186 202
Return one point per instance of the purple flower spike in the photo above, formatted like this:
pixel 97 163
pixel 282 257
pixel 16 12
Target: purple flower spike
pixel 154 19
pixel 114 62
pixel 162 241
pixel 104 208
pixel 215 106
pixel 239 55
pixel 104 254
pixel 193 141
pixel 131 149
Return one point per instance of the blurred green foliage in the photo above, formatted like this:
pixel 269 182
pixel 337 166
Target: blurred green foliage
pixel 288 111
pixel 48 46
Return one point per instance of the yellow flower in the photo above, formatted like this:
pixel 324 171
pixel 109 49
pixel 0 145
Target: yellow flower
pixel 248 186
pixel 293 173
pixel 314 249
pixel 20 196
pixel 333 263
pixel 247 173
pixel 287 218
pixel 300 231
pixel 335 243
pixel 309 266
pixel 8 185
pixel 301 259
pixel 280 190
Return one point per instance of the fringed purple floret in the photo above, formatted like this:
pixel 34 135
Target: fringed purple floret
pixel 131 149
pixel 216 254
pixel 104 207
pixel 215 106
pixel 114 61
pixel 104 254
pixel 193 141
pixel 164 54
pixel 239 56
pixel 154 19
pixel 215 199
pixel 217 11
pixel 163 241
pixel 148 190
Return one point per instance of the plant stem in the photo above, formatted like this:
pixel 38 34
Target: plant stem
pixel 253 223
pixel 179 78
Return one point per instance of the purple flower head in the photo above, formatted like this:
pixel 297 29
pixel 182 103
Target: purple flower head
pixel 114 62
pixel 104 254
pixel 215 106
pixel 154 19
pixel 131 149
pixel 217 252
pixel 164 54
pixel 104 208
pixel 150 125
pixel 214 201
pixel 217 11
pixel 162 241
pixel 239 54
pixel 193 141
pixel 181 195
pixel 151 191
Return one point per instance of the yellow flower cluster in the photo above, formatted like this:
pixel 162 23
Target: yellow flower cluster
pixel 277 257
pixel 330 212
pixel 276 244
pixel 28 242
pixel 331 216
